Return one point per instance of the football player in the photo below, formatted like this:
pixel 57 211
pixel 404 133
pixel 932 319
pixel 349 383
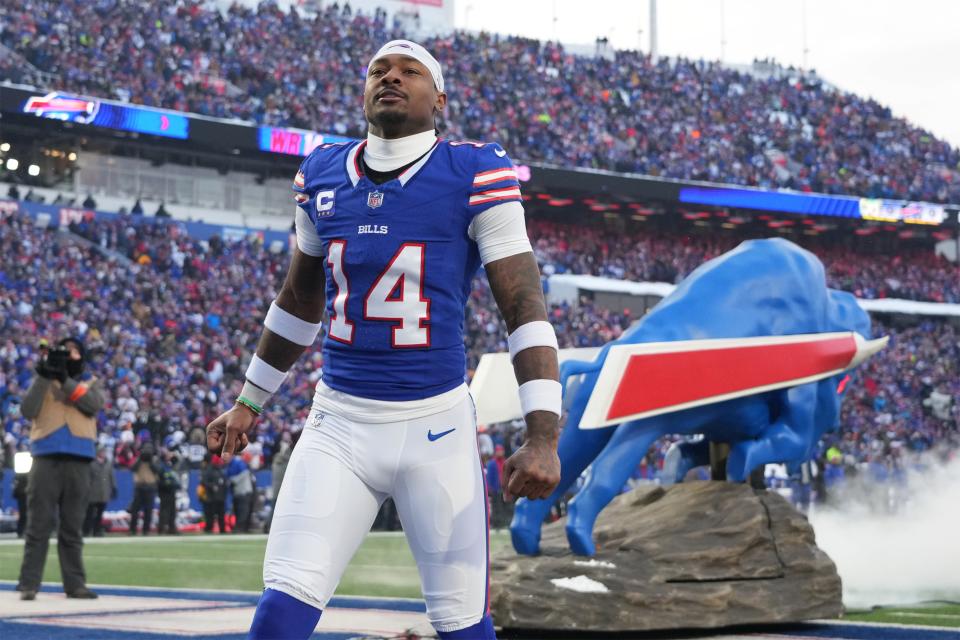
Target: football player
pixel 390 232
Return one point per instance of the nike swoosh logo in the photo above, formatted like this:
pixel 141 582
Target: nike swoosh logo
pixel 432 437
pixel 500 152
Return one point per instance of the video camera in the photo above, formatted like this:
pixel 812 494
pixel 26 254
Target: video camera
pixel 54 364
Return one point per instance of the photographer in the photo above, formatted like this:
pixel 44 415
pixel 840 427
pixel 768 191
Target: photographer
pixel 62 403
pixel 146 474
pixel 103 488
pixel 167 485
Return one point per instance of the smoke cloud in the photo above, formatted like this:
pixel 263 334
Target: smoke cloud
pixel 896 545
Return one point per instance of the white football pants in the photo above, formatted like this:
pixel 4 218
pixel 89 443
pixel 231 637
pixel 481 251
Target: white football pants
pixel 341 472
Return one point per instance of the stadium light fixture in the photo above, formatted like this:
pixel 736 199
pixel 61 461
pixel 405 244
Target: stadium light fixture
pixel 5 146
pixel 12 164
pixel 33 170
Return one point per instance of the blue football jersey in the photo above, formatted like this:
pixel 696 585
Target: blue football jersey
pixel 399 263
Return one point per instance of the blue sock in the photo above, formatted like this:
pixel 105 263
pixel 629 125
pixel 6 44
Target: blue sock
pixel 483 630
pixel 282 617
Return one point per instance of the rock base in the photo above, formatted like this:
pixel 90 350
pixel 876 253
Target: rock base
pixel 693 555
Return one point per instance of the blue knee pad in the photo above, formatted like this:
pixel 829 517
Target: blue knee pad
pixel 483 630
pixel 282 617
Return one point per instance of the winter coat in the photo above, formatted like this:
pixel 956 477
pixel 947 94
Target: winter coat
pixel 102 481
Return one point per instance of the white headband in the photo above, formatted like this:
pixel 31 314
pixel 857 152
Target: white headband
pixel 415 51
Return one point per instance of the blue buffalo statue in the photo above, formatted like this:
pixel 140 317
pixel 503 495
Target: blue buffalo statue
pixel 762 288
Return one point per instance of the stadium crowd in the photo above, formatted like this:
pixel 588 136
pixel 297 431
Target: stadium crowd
pixel 169 323
pixel 908 398
pixel 913 273
pixel 672 117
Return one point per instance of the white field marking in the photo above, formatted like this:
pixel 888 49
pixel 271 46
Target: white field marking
pixel 856 623
pixel 258 563
pixel 153 560
pixel 186 537
pixel 582 584
pixel 916 614
pixel 58 586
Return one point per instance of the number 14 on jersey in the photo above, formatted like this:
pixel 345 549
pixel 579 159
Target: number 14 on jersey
pixel 396 296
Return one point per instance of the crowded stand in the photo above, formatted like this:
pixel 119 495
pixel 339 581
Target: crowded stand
pixel 624 111
pixel 662 256
pixel 170 322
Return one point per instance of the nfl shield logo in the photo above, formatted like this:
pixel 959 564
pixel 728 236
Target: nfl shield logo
pixel 374 199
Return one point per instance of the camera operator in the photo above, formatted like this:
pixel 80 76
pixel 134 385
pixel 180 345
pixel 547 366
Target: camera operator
pixel 62 402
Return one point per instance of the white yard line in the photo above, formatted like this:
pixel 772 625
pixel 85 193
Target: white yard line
pixel 153 560
pixel 857 623
pixel 916 614
pixel 185 537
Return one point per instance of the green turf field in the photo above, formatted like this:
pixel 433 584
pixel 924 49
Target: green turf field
pixel 932 614
pixel 382 567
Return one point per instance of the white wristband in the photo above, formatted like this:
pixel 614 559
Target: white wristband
pixel 264 375
pixel 539 333
pixel 255 394
pixel 541 395
pixel 285 324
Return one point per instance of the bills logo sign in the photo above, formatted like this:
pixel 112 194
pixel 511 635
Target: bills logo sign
pixel 299 180
pixel 374 199
pixel 60 106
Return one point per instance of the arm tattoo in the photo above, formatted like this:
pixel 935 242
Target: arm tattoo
pixel 515 282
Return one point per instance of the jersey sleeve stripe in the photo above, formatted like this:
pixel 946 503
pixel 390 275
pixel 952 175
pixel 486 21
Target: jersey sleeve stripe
pixel 515 198
pixel 497 194
pixel 495 175
pixel 495 185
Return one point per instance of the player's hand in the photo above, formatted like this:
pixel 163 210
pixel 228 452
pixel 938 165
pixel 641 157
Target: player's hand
pixel 227 434
pixel 532 472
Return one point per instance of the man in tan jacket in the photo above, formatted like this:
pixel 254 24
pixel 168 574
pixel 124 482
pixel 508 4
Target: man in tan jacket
pixel 63 403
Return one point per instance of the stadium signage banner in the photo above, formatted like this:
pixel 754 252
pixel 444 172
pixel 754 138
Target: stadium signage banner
pixel 106 113
pixel 817 204
pixel 900 211
pixel 293 142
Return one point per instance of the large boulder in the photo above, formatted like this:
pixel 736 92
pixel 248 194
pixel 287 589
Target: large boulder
pixel 694 555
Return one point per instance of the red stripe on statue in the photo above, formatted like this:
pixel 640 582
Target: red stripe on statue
pixel 655 381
